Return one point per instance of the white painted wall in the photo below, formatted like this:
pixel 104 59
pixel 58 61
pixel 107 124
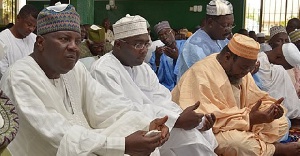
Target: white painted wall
pixel 20 4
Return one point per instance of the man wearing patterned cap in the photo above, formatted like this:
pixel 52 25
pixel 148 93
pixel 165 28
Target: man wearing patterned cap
pixel 248 120
pixel 94 47
pixel 278 36
pixel 137 90
pixel 52 91
pixel 209 39
pixel 164 57
pixel 295 37
pixel 275 79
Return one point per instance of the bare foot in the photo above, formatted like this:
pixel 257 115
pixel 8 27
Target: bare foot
pixel 287 149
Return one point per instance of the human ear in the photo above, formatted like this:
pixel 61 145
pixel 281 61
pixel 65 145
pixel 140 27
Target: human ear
pixel 40 42
pixel 117 44
pixel 227 56
pixel 209 22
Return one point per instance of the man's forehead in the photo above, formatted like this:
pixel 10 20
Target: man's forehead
pixel 64 32
pixel 281 35
pixel 138 37
pixel 29 18
pixel 225 18
pixel 164 30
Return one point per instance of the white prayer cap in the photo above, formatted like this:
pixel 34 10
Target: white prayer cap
pixel 276 30
pixel 219 7
pixel 260 35
pixel 291 54
pixel 129 26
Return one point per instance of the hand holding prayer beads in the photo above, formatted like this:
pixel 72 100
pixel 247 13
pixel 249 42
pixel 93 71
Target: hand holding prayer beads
pixel 137 144
pixel 189 119
pixel 208 121
pixel 158 126
pixel 143 143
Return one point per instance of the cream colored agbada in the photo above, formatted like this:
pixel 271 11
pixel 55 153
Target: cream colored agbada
pixel 208 83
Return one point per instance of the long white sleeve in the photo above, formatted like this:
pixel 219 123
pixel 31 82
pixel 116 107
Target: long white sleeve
pixel 143 93
pixel 46 127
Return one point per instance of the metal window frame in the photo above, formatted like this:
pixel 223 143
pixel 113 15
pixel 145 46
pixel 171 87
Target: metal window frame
pixel 272 15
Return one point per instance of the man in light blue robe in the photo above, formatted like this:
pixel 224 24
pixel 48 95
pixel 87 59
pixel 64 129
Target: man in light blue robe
pixel 209 39
pixel 164 58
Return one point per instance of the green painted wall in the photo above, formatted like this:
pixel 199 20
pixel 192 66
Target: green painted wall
pixel 38 4
pixel 81 6
pixel 85 9
pixel 175 11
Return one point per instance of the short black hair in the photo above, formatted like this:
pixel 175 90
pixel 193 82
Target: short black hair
pixel 28 10
pixel 242 30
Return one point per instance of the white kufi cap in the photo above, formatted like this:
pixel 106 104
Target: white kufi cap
pixel 291 54
pixel 260 35
pixel 219 7
pixel 129 26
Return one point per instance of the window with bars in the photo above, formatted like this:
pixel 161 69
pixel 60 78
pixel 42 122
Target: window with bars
pixel 7 11
pixel 261 15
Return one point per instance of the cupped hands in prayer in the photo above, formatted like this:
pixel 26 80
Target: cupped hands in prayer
pixel 268 115
pixel 171 52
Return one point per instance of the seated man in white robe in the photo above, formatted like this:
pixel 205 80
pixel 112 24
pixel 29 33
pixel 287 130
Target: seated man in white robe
pixel 295 72
pixel 275 79
pixel 50 89
pixel 136 89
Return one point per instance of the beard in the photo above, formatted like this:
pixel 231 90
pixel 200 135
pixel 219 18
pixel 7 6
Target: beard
pixel 233 78
pixel 235 81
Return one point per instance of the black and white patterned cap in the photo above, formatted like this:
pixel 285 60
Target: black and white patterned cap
pixel 219 7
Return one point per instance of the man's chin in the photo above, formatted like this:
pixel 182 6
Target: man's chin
pixel 235 81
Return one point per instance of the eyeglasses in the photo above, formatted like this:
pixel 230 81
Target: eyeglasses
pixel 165 35
pixel 225 27
pixel 139 46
